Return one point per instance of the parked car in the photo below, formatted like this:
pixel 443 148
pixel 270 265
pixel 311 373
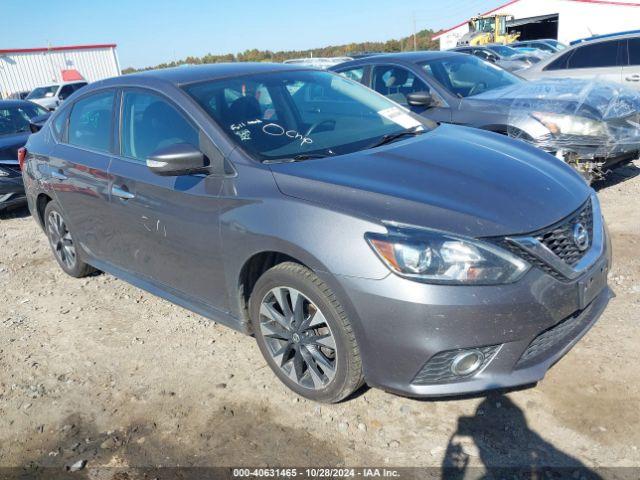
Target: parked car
pixel 355 240
pixel 51 96
pixel 530 51
pixel 592 126
pixel 15 119
pixel 318 62
pixel 513 61
pixel 546 45
pixel 614 59
pixel 18 95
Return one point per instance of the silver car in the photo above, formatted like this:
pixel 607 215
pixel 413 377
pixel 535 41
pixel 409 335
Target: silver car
pixel 593 126
pixel 51 96
pixel 609 58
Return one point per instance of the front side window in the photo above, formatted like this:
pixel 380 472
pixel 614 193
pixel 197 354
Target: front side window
pixel 16 119
pixel 90 122
pixel 466 76
pixel 311 113
pixel 560 63
pixel 65 92
pixel 355 74
pixel 149 123
pixel 396 83
pixel 597 55
pixel 42 92
pixel 634 51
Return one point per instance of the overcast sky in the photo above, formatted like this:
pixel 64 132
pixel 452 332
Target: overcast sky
pixel 150 32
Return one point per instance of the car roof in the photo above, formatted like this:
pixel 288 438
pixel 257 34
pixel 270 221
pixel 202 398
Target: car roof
pixel 404 57
pixel 606 37
pixel 15 102
pixel 196 73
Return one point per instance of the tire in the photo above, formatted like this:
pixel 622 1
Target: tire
pixel 318 356
pixel 66 252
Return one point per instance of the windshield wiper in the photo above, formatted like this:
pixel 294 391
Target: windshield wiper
pixel 298 158
pixel 395 136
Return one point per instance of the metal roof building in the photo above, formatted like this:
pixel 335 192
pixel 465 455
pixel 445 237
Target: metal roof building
pixel 564 20
pixel 26 68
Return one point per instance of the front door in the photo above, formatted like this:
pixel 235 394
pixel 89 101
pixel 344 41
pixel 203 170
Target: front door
pixel 631 71
pixel 166 229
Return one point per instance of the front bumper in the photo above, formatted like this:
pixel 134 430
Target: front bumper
pixel 524 328
pixel 12 192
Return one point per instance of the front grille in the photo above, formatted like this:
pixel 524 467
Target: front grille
pixel 559 238
pixel 553 338
pixel 438 369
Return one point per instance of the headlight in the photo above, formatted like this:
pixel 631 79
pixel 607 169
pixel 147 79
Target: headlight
pixel 570 124
pixel 435 257
pixel 3 173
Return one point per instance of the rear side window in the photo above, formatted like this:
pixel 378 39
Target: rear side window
pixel 356 74
pixel 634 51
pixel 90 122
pixel 598 55
pixel 60 124
pixel 149 123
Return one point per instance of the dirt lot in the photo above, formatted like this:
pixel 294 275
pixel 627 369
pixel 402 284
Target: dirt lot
pixel 97 370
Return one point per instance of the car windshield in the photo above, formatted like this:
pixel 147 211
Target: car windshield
pixel 466 75
pixel 301 114
pixel 16 119
pixel 504 51
pixel 557 44
pixel 42 92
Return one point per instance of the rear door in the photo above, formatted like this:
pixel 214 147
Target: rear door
pixel 601 61
pixel 78 165
pixel 631 71
pixel 165 229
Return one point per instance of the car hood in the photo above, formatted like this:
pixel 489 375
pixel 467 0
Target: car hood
pixel 617 106
pixel 455 179
pixel 593 99
pixel 9 145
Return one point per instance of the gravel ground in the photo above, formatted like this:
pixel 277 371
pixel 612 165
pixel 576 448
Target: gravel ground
pixel 97 370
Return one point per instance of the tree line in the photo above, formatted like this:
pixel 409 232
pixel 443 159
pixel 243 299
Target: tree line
pixel 422 42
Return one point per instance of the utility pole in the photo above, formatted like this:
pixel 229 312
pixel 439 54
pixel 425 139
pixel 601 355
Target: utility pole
pixel 415 33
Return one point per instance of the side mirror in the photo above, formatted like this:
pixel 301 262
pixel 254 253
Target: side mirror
pixel 176 160
pixel 420 99
pixel 36 123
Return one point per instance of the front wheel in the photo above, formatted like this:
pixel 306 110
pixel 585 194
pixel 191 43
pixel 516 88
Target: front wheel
pixel 304 334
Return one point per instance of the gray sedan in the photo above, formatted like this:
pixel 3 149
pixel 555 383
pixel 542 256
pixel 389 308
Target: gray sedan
pixel 357 242
pixel 591 125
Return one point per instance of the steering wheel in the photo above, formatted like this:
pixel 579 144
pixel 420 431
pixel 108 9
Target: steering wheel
pixel 319 123
pixel 477 88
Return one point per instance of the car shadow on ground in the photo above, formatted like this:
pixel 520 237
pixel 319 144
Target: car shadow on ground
pixel 499 436
pixel 616 176
pixel 16 212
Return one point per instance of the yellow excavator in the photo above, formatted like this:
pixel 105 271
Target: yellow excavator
pixel 488 29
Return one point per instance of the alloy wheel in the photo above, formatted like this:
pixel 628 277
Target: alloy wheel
pixel 61 240
pixel 298 337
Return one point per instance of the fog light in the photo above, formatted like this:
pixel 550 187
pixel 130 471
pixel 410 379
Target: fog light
pixel 467 362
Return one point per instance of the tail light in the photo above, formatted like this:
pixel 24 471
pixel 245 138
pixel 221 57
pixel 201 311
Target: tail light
pixel 22 156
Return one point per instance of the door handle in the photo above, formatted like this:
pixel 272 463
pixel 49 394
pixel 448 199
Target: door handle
pixel 122 193
pixel 58 175
pixel 633 78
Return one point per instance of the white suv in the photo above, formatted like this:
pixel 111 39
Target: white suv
pixel 50 96
pixel 614 58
